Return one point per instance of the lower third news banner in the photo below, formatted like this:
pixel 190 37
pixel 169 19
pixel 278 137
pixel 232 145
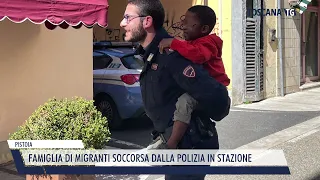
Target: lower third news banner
pixel 69 157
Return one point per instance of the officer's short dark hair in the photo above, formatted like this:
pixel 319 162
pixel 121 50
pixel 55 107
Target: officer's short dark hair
pixel 206 15
pixel 151 8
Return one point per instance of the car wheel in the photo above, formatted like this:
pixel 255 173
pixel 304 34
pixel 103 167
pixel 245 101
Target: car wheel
pixel 109 110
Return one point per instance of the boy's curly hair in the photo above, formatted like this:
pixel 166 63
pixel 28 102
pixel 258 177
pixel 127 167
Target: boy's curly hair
pixel 206 15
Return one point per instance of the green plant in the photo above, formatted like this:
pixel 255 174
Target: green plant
pixel 66 119
pixel 247 102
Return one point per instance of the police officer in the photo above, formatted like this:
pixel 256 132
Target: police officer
pixel 165 77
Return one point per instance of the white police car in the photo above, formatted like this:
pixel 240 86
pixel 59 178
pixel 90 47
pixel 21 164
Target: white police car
pixel 116 72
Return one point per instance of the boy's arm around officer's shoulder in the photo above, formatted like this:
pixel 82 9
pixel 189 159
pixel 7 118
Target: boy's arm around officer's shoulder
pixel 199 51
pixel 211 95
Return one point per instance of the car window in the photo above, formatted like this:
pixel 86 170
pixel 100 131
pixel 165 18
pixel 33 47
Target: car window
pixel 132 62
pixel 101 61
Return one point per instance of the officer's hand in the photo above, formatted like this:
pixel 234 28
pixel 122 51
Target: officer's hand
pixel 165 43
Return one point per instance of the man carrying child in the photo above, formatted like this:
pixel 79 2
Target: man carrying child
pixel 200 47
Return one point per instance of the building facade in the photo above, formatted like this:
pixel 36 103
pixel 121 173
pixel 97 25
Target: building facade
pixel 280 54
pixel 43 56
pixel 37 64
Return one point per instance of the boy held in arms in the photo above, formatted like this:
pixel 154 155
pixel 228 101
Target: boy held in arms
pixel 200 47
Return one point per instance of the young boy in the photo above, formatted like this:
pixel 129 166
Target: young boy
pixel 200 47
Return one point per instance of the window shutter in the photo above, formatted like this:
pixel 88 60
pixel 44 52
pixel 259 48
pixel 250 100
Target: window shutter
pixel 254 87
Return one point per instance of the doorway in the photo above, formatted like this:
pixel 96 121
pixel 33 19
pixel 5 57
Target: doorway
pixel 310 66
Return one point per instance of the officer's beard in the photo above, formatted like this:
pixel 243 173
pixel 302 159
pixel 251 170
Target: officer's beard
pixel 138 34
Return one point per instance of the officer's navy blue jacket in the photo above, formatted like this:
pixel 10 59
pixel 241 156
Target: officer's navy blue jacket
pixel 165 77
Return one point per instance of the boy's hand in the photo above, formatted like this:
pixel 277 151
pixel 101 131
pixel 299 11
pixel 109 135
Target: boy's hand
pixel 165 43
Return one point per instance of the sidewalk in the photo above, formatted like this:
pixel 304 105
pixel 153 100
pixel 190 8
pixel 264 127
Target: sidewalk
pixel 308 100
pixel 8 172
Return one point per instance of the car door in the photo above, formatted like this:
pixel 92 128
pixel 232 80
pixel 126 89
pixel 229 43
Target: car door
pixel 100 63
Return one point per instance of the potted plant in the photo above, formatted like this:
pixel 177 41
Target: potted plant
pixel 66 119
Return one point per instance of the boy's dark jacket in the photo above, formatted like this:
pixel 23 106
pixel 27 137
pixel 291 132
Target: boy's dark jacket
pixel 165 77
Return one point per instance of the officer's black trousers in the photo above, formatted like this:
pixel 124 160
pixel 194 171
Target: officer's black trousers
pixel 212 143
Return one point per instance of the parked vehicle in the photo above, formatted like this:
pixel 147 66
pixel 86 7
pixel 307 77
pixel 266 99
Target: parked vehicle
pixel 116 87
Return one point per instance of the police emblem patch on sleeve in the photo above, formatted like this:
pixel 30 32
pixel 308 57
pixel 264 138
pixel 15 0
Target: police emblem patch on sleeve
pixel 189 71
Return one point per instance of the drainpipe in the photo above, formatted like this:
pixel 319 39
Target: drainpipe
pixel 279 27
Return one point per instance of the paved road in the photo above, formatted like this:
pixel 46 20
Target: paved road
pixel 242 126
